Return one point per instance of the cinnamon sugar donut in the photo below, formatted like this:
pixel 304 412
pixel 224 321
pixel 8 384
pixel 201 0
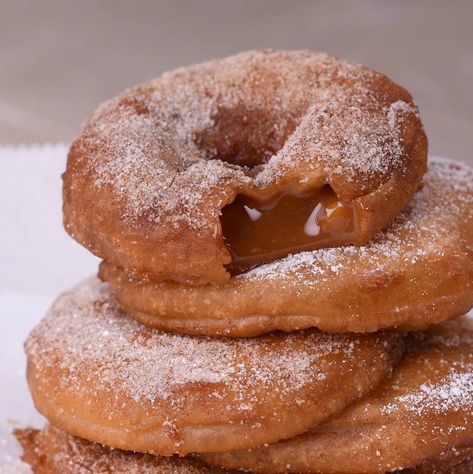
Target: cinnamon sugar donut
pixel 452 461
pixel 417 272
pixel 425 409
pixel 51 451
pixel 153 169
pixel 96 373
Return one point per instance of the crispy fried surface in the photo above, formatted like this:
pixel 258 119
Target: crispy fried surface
pixel 52 451
pixel 150 172
pixel 96 373
pixel 425 409
pixel 417 272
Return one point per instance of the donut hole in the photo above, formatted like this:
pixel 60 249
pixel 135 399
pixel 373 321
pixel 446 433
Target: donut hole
pixel 243 137
pixel 257 231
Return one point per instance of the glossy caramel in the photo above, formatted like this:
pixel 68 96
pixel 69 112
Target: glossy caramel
pixel 257 232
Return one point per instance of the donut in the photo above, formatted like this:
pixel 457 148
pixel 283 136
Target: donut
pixel 417 272
pixel 97 374
pixel 208 171
pixel 52 451
pixel 452 461
pixel 423 410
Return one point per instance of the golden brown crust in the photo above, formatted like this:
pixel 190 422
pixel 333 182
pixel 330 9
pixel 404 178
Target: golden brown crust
pixel 417 272
pixel 52 451
pixel 98 374
pixel 424 410
pixel 451 461
pixel 147 177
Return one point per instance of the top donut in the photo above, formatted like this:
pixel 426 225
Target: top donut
pixel 204 169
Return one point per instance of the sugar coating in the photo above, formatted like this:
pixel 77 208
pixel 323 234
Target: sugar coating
pixel 453 393
pixel 321 113
pixel 430 395
pixel 79 456
pixel 86 331
pixel 418 415
pixel 425 227
pixel 451 388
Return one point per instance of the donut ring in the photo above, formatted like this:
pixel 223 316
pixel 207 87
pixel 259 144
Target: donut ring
pixel 425 408
pixel 417 272
pixel 452 461
pixel 52 451
pixel 150 172
pixel 96 373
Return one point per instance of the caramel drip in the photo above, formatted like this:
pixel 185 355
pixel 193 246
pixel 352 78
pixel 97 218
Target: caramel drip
pixel 257 232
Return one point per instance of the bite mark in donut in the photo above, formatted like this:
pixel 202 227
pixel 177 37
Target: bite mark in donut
pixel 417 272
pixel 258 231
pixel 152 169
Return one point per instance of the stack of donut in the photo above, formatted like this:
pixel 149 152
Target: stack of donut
pixel 283 282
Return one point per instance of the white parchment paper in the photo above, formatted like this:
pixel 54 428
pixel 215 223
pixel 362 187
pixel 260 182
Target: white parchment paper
pixel 37 261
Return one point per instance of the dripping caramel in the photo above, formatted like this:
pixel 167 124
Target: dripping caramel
pixel 257 232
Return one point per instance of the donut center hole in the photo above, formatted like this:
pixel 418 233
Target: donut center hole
pixel 261 231
pixel 242 137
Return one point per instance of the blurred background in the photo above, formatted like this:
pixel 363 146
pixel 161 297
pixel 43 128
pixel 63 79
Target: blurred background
pixel 60 58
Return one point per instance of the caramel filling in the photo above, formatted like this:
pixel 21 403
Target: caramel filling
pixel 257 232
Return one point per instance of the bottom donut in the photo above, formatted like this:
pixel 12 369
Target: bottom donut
pixel 52 451
pixel 425 409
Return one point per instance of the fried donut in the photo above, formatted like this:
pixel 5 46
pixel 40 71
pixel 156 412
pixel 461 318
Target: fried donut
pixel 96 373
pixel 52 451
pixel 425 409
pixel 417 272
pixel 452 461
pixel 277 132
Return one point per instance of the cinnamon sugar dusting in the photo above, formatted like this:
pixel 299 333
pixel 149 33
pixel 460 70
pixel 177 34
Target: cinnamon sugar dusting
pixel 453 393
pixel 360 147
pixel 317 112
pixel 449 387
pixel 85 328
pixel 67 454
pixel 425 227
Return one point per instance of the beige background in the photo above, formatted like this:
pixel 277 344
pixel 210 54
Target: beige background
pixel 60 58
